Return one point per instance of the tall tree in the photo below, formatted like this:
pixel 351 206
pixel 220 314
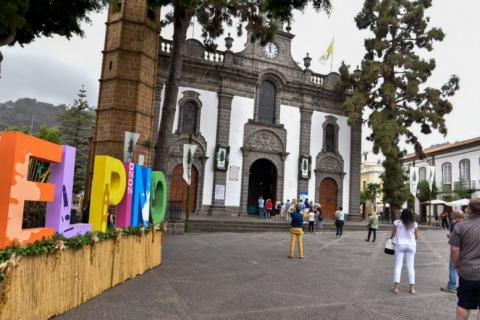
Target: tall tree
pixel 75 128
pixel 21 21
pixel 51 134
pixel 390 85
pixel 213 15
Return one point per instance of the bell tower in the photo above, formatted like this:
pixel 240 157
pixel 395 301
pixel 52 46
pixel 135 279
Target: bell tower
pixel 127 84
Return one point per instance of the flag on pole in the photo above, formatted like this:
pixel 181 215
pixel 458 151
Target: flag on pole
pixel 328 53
pixel 188 152
pixel 430 176
pixel 413 180
pixel 131 139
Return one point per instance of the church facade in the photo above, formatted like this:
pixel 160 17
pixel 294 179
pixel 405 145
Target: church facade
pixel 263 126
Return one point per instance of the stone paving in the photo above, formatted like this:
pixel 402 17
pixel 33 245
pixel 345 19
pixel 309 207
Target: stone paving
pixel 248 276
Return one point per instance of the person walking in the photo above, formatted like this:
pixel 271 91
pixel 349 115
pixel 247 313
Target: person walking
pixel 444 218
pixel 339 221
pixel 405 235
pixel 261 207
pixel 319 217
pixel 465 256
pixel 296 232
pixel 268 208
pixel 372 226
pixel 456 217
pixel 311 220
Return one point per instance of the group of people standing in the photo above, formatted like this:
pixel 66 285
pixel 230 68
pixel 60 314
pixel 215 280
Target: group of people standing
pixel 283 211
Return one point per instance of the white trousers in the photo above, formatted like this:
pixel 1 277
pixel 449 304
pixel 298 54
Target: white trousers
pixel 409 253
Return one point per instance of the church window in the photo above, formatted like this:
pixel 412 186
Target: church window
pixel 447 173
pixel 266 108
pixel 188 121
pixel 465 170
pixel 422 174
pixel 330 138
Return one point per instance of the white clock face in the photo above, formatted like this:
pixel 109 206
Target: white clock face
pixel 271 50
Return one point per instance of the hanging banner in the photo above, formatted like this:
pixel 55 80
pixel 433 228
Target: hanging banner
pixel 188 152
pixel 430 176
pixel 131 139
pixel 413 180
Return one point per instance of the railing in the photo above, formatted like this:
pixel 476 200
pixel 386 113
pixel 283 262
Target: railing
pixel 318 79
pixel 465 185
pixel 214 56
pixel 210 56
pixel 166 46
pixel 446 187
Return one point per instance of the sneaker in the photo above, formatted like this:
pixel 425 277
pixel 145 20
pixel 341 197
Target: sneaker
pixel 448 290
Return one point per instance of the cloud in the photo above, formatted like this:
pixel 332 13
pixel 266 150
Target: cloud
pixel 41 76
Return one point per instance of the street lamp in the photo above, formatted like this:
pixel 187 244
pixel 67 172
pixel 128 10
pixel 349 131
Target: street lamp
pixel 228 42
pixel 307 61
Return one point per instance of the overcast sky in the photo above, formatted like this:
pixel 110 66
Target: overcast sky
pixel 53 69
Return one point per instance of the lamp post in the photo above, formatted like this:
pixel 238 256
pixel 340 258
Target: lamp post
pixel 228 42
pixel 307 61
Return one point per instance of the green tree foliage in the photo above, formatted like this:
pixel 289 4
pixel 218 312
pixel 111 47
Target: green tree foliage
pixel 21 21
pixel 49 134
pixel 262 18
pixel 391 84
pixel 76 127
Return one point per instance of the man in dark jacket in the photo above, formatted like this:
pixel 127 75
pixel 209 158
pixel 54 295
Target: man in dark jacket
pixel 465 257
pixel 296 232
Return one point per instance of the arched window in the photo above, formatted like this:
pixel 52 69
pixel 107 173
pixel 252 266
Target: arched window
pixel 465 170
pixel 447 173
pixel 422 174
pixel 266 102
pixel 188 122
pixel 330 138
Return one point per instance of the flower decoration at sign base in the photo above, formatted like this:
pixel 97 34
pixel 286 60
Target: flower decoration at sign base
pixel 113 183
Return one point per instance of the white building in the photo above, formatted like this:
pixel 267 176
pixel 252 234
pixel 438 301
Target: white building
pixel 457 167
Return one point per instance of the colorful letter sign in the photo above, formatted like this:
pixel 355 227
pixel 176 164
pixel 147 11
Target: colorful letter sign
pixel 59 210
pixel 108 187
pixel 141 196
pixel 158 197
pixel 113 182
pixel 124 209
pixel 16 149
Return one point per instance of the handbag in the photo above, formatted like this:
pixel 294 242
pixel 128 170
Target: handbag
pixel 389 247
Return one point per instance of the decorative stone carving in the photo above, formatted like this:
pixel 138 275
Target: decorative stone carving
pixel 265 141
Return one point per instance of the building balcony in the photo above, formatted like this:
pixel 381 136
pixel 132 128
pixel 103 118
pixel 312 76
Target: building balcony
pixel 465 185
pixel 446 187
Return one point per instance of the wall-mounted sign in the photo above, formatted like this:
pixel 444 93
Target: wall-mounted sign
pixel 221 158
pixel 219 192
pixel 304 168
pixel 234 173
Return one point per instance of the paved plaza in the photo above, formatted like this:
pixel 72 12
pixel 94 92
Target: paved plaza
pixel 248 276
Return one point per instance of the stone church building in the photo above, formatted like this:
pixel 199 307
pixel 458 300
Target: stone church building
pixel 263 124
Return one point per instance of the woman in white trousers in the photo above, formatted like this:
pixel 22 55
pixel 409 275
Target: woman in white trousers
pixel 405 235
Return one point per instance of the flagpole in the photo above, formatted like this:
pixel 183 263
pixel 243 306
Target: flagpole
pixel 333 52
pixel 187 208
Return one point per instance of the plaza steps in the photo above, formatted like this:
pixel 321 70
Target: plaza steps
pixel 256 225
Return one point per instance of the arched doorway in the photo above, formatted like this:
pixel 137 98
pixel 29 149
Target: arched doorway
pixel 178 189
pixel 262 181
pixel 328 197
